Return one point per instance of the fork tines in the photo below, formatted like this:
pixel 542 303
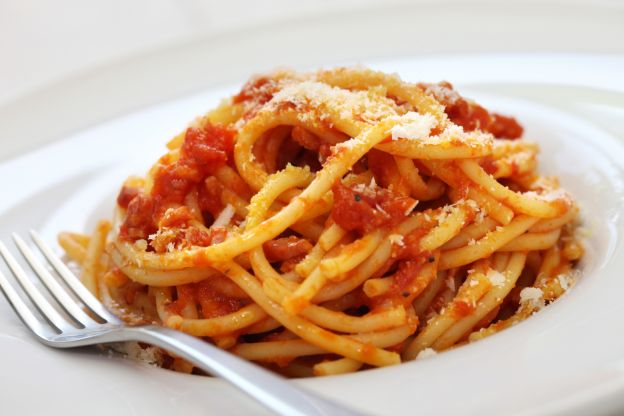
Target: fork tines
pixel 60 324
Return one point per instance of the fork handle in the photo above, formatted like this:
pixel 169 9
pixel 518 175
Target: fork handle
pixel 273 391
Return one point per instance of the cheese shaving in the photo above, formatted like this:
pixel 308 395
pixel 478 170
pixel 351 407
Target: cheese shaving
pixel 224 217
pixel 533 297
pixel 409 210
pixel 567 280
pixel 396 239
pixel 426 353
pixel 170 247
pixel 450 283
pixel 414 126
pixel 496 278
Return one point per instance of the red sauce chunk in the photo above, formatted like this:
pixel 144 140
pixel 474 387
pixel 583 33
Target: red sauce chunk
pixel 203 151
pixel 126 195
pixel 139 221
pixel 470 115
pixel 462 308
pixel 504 127
pixel 215 235
pixel 259 88
pixel 408 270
pixel 281 249
pixel 366 211
pixel 255 94
pixel 186 298
pixel 176 217
pixel 173 182
pixel 213 302
pixel 403 289
pixel 209 147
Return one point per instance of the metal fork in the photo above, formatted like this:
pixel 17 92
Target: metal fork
pixel 274 392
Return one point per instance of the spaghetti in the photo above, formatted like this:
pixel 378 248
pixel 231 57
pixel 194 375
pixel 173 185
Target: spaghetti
pixel 320 223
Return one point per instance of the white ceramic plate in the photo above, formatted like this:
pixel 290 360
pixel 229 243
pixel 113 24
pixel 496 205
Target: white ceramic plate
pixel 567 359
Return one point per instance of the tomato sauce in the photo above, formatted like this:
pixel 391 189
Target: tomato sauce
pixel 260 89
pixel 386 172
pixel 214 303
pixel 470 115
pixel 489 165
pixel 411 244
pixel 364 212
pixel 176 217
pixel 138 222
pixel 186 298
pixel 126 195
pixel 462 308
pixel 408 270
pixel 204 150
pixel 208 295
pixel 281 249
pixel 255 94
pixel 403 290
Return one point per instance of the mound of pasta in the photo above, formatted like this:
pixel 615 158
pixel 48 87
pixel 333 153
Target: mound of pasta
pixel 325 222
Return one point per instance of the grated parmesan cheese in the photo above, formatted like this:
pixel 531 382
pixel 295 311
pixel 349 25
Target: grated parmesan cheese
pixel 170 247
pixel 480 216
pixel 450 283
pixel 373 184
pixel 446 211
pixel 532 296
pixel 369 189
pixel 567 280
pixel 224 217
pixel 367 105
pixel 346 145
pixel 471 203
pixel 396 239
pixel 413 126
pixel 409 210
pixel 496 278
pixel 137 352
pixel 380 209
pixel 426 353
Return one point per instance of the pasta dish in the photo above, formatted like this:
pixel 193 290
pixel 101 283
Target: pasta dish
pixel 327 222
